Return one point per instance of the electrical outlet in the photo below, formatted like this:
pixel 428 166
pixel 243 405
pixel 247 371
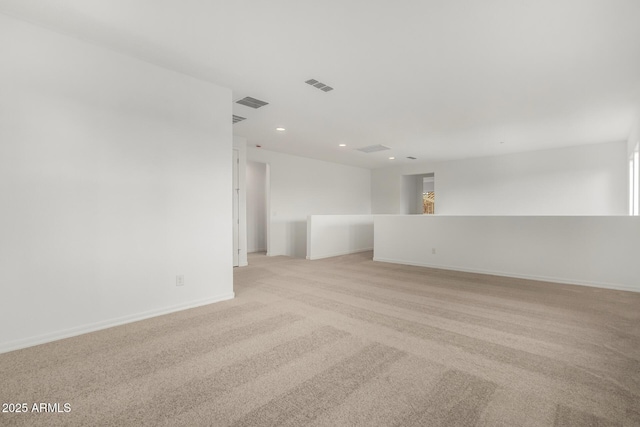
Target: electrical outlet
pixel 433 251
pixel 180 280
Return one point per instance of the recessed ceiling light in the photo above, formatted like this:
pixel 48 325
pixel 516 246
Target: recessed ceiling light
pixel 392 158
pixel 280 129
pixel 342 145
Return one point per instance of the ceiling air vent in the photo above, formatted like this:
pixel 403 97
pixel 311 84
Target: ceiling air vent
pixel 323 87
pixel 411 157
pixel 373 148
pixel 237 119
pixel 251 102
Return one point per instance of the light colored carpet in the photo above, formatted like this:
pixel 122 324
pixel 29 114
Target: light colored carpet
pixel 348 341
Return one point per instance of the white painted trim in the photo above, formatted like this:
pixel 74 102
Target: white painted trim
pixel 240 144
pixel 93 327
pixel 354 251
pixel 561 281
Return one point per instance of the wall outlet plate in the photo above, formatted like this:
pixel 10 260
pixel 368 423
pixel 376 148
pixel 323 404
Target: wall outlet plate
pixel 180 280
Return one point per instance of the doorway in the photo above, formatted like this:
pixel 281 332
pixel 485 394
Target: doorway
pixel 258 207
pixel 418 194
pixel 428 196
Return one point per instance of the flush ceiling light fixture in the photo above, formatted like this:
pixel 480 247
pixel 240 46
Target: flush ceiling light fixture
pixel 342 145
pixel 280 129
pixel 392 158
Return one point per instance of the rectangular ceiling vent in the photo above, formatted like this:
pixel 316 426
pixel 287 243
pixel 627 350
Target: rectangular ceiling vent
pixel 411 157
pixel 373 148
pixel 237 119
pixel 251 102
pixel 323 87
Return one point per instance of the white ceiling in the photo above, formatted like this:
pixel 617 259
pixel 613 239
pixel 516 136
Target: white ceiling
pixel 433 79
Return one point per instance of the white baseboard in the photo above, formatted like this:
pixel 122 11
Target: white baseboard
pixel 354 251
pixel 559 280
pixel 92 327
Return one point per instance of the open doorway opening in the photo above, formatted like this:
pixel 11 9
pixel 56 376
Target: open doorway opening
pixel 428 195
pixel 418 194
pixel 257 207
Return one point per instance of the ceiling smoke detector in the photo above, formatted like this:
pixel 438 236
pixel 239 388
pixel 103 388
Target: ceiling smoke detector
pixel 373 148
pixel 251 102
pixel 319 85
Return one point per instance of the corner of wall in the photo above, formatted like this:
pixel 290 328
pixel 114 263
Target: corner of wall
pixel 634 136
pixel 240 144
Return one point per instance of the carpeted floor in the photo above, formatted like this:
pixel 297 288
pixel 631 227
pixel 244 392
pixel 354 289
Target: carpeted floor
pixel 348 341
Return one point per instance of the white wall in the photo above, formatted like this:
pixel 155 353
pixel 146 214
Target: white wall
pixel 115 177
pixel 634 136
pixel 333 235
pixel 302 187
pixel 411 187
pixel 256 207
pixel 598 250
pixel 633 182
pixel 583 180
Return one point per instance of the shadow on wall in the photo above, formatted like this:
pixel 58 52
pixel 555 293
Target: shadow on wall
pixel 361 236
pixel 289 238
pixel 296 238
